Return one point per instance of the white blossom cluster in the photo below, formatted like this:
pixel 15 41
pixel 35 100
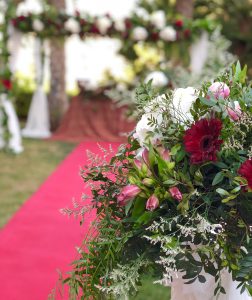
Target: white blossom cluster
pixel 164 233
pixel 158 19
pixel 178 107
pixel 124 278
pixel 242 127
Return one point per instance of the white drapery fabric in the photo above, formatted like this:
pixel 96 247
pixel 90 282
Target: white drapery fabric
pixel 199 53
pixel 38 123
pixel 14 46
pixel 15 141
pixel 205 291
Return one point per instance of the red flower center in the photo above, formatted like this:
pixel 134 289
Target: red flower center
pixel 206 143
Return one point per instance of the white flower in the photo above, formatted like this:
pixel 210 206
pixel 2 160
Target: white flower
pixel 120 25
pixel 139 33
pixel 158 19
pixel 158 79
pixel 23 10
pixel 142 14
pixel 37 25
pixel 168 34
pixel 72 25
pixel 103 24
pixel 182 102
pixel 143 128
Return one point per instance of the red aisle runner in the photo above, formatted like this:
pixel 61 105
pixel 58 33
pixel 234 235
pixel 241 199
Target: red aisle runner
pixel 39 240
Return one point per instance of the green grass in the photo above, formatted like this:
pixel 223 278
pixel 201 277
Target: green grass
pixel 150 291
pixel 21 175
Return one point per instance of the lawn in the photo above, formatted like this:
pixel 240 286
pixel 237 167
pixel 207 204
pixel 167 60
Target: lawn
pixel 150 291
pixel 20 177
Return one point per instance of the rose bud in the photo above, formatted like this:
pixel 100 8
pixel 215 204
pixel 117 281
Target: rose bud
pixel 138 163
pixel 148 181
pixel 145 156
pixel 7 84
pixel 235 113
pixel 175 193
pixel 152 203
pixel 127 194
pixel 179 23
pixel 219 90
pixel 164 153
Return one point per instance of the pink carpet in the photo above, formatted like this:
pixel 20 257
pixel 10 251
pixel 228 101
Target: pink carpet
pixel 39 240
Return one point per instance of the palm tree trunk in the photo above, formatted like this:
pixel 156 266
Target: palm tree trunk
pixel 58 102
pixel 185 8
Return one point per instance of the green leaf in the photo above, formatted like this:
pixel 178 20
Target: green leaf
pixel 170 165
pixel 220 165
pixel 191 281
pixel 202 279
pixel 145 217
pixel 180 155
pixel 139 207
pixel 170 182
pixel 209 102
pixel 128 207
pixel 232 197
pixel 175 149
pixel 222 192
pixel 218 178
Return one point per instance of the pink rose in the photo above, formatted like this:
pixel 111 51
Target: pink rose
pixel 152 203
pixel 175 193
pixel 127 194
pixel 235 113
pixel 219 90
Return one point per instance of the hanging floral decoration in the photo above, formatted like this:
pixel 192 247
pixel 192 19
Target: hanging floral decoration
pixel 51 24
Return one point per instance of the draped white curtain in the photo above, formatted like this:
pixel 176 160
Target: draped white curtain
pixel 199 53
pixel 38 123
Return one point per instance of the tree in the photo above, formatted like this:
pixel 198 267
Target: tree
pixel 58 101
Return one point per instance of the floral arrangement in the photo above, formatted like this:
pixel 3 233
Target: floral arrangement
pixel 177 199
pixel 156 27
pixel 7 11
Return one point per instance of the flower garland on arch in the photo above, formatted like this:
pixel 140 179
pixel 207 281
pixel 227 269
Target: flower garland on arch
pixel 134 29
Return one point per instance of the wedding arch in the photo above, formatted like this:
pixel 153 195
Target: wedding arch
pixel 50 24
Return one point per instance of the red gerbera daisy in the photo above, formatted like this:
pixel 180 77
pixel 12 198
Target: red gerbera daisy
pixel 202 140
pixel 246 171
